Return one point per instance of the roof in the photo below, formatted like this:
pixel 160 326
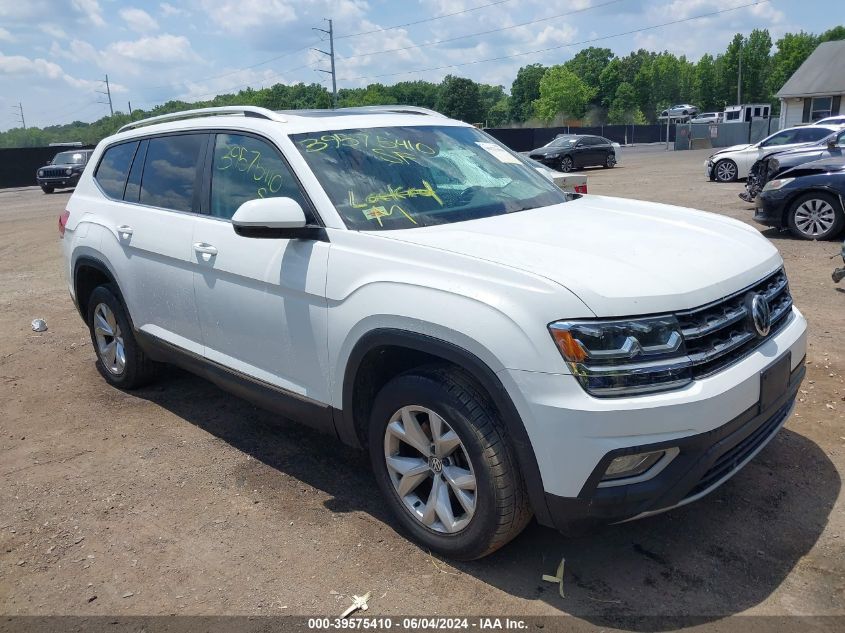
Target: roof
pixel 822 73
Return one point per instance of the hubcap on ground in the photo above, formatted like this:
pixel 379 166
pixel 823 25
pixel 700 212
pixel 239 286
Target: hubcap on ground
pixel 814 217
pixel 109 340
pixel 430 469
pixel 725 171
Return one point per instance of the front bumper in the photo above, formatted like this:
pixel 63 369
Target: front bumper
pixel 58 181
pixel 770 207
pixel 548 161
pixel 575 436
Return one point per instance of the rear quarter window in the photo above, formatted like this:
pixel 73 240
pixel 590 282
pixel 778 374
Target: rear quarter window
pixel 171 170
pixel 114 169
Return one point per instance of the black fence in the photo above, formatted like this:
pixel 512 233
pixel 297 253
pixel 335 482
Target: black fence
pixel 19 164
pixel 525 139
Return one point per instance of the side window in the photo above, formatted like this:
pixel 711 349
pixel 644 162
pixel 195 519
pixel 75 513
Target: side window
pixel 114 168
pixel 170 171
pixel 133 185
pixel 814 134
pixel 781 138
pixel 840 140
pixel 246 168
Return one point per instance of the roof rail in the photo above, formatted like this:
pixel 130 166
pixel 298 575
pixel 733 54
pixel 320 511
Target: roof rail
pixel 399 109
pixel 247 111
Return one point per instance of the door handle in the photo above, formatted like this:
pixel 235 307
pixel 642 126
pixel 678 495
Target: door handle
pixel 124 230
pixel 205 249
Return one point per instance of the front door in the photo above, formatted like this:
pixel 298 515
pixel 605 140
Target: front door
pixel 261 302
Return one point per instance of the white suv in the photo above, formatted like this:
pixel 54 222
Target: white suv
pixel 403 282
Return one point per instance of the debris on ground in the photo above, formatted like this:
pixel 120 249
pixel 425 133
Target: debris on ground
pixel 358 602
pixel 558 577
pixel 39 325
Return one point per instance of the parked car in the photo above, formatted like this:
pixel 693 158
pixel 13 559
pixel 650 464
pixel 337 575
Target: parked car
pixel 63 171
pixel 410 286
pixel 806 199
pixel 707 117
pixel 682 109
pixel 771 165
pixel 733 163
pixel 832 120
pixel 574 151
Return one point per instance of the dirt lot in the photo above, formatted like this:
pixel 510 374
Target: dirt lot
pixel 182 499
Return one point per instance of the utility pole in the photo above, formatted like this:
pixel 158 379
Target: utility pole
pixel 108 94
pixel 19 109
pixel 130 107
pixel 739 79
pixel 330 54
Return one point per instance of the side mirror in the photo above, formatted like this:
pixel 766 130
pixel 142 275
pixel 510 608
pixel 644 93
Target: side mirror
pixel 271 218
pixel 831 144
pixel 49 162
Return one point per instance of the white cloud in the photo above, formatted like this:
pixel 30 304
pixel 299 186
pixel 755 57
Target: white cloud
pixel 5 35
pixel 168 10
pixel 138 20
pixel 18 65
pixel 241 15
pixel 53 31
pixel 162 49
pixel 91 10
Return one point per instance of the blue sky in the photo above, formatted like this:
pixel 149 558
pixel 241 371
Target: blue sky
pixel 53 53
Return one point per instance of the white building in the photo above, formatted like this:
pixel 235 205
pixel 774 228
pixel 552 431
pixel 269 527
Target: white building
pixel 816 89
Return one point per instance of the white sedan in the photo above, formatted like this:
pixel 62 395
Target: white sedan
pixel 733 163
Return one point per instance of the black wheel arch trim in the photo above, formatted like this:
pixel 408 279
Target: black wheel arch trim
pixel 478 369
pixel 91 261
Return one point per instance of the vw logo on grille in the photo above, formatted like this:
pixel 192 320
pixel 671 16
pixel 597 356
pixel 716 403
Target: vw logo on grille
pixel 436 464
pixel 758 310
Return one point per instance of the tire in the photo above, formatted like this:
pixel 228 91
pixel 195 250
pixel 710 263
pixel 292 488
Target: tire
pixel 108 323
pixel 609 161
pixel 46 189
pixel 815 216
pixel 725 171
pixel 499 506
pixel 566 164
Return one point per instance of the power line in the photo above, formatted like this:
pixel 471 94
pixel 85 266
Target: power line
pixel 552 48
pixel 488 32
pixel 330 33
pixel 432 19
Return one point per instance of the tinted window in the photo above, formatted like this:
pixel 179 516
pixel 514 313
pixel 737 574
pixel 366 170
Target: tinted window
pixel 781 138
pixel 840 140
pixel 170 171
pixel 133 186
pixel 70 158
pixel 812 134
pixel 114 168
pixel 246 168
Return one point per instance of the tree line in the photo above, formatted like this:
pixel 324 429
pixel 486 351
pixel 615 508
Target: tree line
pixel 595 87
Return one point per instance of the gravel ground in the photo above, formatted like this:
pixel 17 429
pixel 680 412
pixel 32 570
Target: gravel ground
pixel 182 499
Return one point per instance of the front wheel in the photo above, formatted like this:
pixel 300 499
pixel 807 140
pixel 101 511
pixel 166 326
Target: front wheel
pixel 725 171
pixel 815 216
pixel 119 358
pixel 47 189
pixel 566 164
pixel 443 461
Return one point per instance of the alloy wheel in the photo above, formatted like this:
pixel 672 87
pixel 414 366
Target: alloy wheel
pixel 814 217
pixel 725 171
pixel 430 469
pixel 566 164
pixel 110 347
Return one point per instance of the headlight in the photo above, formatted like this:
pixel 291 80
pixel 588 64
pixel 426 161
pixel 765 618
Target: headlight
pixel 777 183
pixel 624 357
pixel 41 172
pixel 68 171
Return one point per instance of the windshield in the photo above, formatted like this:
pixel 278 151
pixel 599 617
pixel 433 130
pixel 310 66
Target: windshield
pixel 69 158
pixel 406 177
pixel 561 141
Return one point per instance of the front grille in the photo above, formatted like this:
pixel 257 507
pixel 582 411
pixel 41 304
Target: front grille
pixel 721 333
pixel 731 459
pixel 54 172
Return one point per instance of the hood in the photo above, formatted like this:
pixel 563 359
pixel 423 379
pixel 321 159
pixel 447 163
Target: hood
pixel 621 257
pixel 545 151
pixel 733 148
pixel 833 164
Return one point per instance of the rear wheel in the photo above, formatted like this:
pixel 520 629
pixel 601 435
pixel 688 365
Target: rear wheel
pixel 815 216
pixel 725 170
pixel 119 358
pixel 610 161
pixel 444 463
pixel 566 164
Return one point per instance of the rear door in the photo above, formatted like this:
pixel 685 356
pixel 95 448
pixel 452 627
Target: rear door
pixel 261 302
pixel 150 225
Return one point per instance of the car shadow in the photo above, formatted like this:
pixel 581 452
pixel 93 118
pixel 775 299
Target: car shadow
pixel 700 563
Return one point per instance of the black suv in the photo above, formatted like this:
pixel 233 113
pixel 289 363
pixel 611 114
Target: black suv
pixel 573 151
pixel 63 171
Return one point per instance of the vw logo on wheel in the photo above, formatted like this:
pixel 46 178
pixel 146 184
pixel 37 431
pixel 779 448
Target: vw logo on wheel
pixel 435 464
pixel 761 316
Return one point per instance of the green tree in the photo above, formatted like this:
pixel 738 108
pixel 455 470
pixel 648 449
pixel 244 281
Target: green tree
pixel 459 98
pixel 792 50
pixel 609 80
pixel 624 107
pixel 756 62
pixel 562 92
pixel 836 33
pixel 704 84
pixel 525 90
pixel 588 64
